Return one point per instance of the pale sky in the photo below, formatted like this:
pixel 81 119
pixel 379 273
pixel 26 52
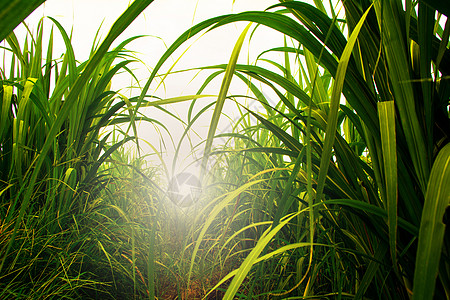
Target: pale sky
pixel 165 19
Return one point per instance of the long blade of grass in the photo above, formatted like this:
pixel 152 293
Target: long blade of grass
pixel 334 106
pixel 386 111
pixel 261 259
pixel 292 29
pixel 174 100
pixel 371 271
pixel 13 12
pixel 229 74
pixel 432 229
pixel 396 49
pixel 217 209
pixel 252 258
pixel 5 109
pixel 373 210
pixel 425 39
pixel 286 198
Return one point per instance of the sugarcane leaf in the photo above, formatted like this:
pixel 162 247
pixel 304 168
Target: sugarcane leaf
pixel 334 105
pixel 13 12
pixel 441 6
pixel 386 112
pixel 229 74
pixel 252 258
pixel 216 210
pixel 432 229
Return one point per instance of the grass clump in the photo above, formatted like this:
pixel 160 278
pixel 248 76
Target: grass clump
pixel 357 144
pixel 63 234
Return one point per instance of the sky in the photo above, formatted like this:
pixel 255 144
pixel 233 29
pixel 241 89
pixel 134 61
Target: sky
pixel 162 22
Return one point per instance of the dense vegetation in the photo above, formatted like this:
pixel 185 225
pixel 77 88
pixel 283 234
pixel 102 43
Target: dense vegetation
pixel 337 189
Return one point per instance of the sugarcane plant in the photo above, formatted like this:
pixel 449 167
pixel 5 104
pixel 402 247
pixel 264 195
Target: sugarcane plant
pixel 58 127
pixel 361 180
pixel 336 188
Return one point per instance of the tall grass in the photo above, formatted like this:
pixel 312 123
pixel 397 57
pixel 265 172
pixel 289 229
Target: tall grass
pixel 337 188
pixel 350 167
pixel 64 230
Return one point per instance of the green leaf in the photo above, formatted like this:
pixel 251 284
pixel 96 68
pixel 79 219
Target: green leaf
pixel 287 198
pixel 386 112
pixel 441 6
pixel 397 57
pixel 212 215
pixel 432 229
pixel 5 109
pixel 371 271
pixel 252 258
pixel 12 12
pixel 334 106
pixel 229 73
